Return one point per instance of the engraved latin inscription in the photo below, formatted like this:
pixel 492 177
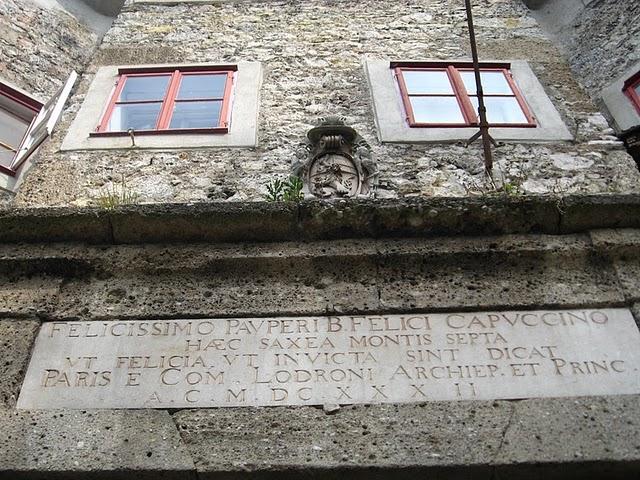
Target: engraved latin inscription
pixel 333 359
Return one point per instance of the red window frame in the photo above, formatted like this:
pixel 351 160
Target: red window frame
pixel 469 112
pixel 27 102
pixel 629 90
pixel 170 99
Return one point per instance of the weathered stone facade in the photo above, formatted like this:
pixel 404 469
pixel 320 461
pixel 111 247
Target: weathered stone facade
pixel 601 41
pixel 312 56
pixel 141 263
pixel 601 38
pixel 41 43
pixel 40 46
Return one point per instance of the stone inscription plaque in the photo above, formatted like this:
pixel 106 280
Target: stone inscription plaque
pixel 333 360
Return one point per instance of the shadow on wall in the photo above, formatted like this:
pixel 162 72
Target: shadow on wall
pixel 534 4
pixel 97 15
pixel 110 8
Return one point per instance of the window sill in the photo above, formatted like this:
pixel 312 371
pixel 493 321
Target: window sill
pixel 8 171
pixel 477 126
pixel 393 127
pixel 174 131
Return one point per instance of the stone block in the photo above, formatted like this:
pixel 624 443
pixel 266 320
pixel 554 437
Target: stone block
pixel 589 437
pixel 628 270
pixel 16 340
pixel 616 240
pixel 428 217
pixel 588 212
pixel 497 273
pixel 622 246
pixel 293 278
pixel 558 438
pixel 452 439
pixel 54 224
pixel 285 279
pixel 91 444
pixel 28 296
pixel 315 220
pixel 222 222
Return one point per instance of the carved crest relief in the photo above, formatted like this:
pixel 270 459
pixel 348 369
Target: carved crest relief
pixel 335 162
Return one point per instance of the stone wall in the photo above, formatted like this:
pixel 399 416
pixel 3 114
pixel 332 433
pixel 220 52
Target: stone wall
pixel 601 38
pixel 312 56
pixel 605 41
pixel 40 46
pixel 498 264
pixel 41 43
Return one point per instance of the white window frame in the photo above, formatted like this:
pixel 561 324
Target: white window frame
pixel 623 112
pixel 243 129
pixel 393 127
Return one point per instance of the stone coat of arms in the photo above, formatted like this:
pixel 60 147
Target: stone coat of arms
pixel 335 162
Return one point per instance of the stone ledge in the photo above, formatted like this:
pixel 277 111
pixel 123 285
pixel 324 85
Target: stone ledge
pixel 359 441
pixel 622 247
pixel 315 278
pixel 316 220
pixel 74 444
pixel 596 437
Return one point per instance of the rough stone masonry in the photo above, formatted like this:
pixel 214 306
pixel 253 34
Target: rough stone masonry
pixel 312 54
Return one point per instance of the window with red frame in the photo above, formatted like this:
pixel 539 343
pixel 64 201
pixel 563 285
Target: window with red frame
pixel 17 111
pixel 445 95
pixel 176 100
pixel 25 123
pixel 632 90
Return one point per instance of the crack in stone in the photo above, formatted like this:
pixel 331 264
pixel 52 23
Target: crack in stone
pixel 504 432
pixel 112 238
pixel 194 471
pixel 377 277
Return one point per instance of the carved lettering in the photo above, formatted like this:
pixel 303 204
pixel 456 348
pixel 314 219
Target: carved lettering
pixel 333 359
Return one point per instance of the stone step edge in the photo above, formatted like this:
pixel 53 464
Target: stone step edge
pixel 320 220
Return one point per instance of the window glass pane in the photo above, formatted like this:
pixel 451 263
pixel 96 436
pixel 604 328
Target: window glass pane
pixel 436 110
pixel 492 83
pixel 12 128
pixel 202 86
pixel 141 116
pixel 427 82
pixel 196 115
pixel 637 89
pixel 502 110
pixel 6 157
pixel 144 88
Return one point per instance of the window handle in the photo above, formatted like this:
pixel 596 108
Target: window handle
pixel 8 147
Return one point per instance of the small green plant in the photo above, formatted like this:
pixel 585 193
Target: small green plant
pixel 289 190
pixel 511 188
pixel 489 187
pixel 293 190
pixel 275 190
pixel 115 196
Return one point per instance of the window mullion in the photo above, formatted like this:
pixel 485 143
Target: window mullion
pixel 112 104
pixel 404 93
pixel 169 101
pixel 464 101
pixel 633 96
pixel 223 121
pixel 519 98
